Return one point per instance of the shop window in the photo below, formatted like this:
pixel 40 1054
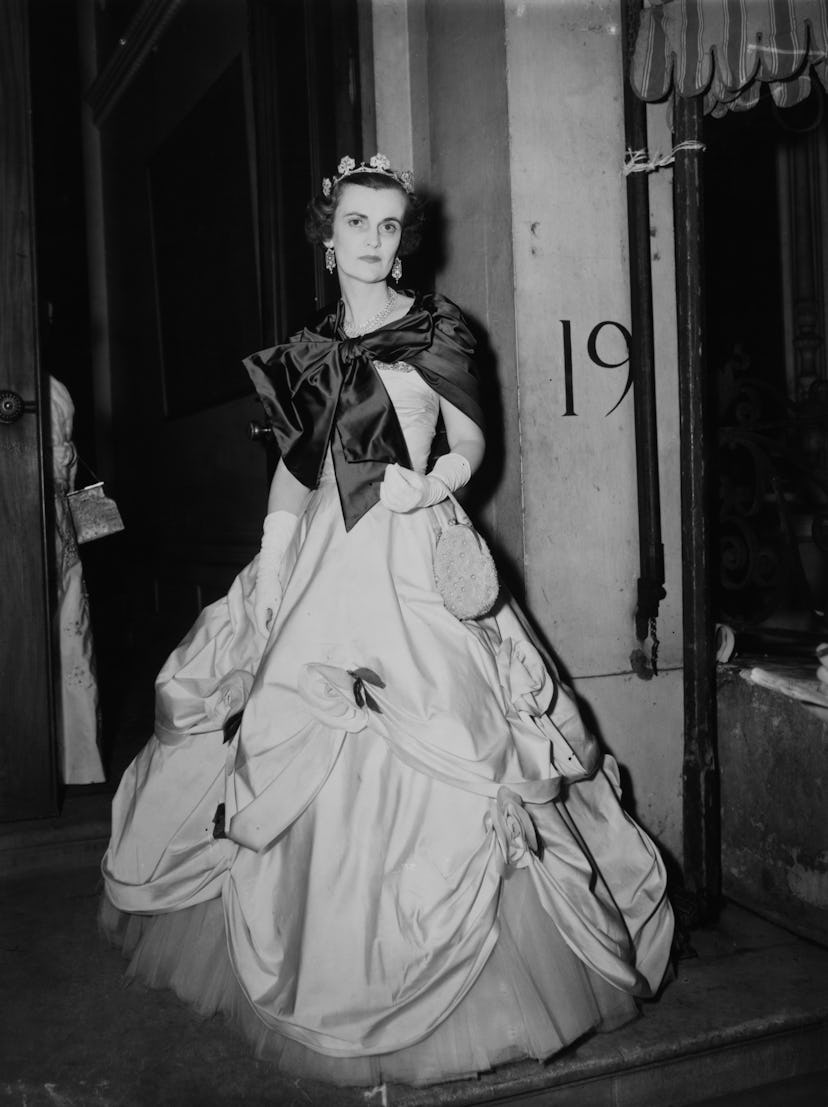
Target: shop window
pixel 766 244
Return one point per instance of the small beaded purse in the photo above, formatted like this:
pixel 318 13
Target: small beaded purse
pixel 94 514
pixel 464 569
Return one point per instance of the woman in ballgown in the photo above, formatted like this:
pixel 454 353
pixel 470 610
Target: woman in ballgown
pixel 376 836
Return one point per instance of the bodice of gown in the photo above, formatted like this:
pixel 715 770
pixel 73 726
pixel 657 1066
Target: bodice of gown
pixel 417 406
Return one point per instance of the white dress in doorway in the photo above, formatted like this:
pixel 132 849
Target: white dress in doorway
pixel 411 890
pixel 78 715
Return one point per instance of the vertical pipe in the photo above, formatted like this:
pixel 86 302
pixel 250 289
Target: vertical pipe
pixel 701 819
pixel 642 352
pixel 93 182
pixel 808 341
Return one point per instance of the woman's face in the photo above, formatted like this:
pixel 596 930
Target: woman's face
pixel 367 225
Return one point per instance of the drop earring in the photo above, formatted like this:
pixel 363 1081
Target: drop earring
pixel 396 269
pixel 330 259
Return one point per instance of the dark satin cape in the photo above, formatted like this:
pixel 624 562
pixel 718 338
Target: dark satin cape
pixel 321 387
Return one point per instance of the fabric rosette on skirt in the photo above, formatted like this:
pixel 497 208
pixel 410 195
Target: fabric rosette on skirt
pixel 331 695
pixel 513 829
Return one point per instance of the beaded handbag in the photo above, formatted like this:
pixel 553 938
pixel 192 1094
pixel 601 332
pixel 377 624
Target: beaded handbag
pixel 464 569
pixel 94 514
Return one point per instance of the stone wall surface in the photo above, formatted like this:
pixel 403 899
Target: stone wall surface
pixel 773 756
pixel 572 304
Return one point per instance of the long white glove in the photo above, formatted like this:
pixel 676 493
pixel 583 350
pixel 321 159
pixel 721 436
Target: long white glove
pixel 404 490
pixel 279 529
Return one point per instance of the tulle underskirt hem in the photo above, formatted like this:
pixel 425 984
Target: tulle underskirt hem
pixel 533 997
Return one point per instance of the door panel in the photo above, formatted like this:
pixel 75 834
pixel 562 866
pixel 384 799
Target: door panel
pixel 209 152
pixel 181 284
pixel 27 751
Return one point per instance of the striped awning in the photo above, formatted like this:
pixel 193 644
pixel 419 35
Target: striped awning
pixel 726 49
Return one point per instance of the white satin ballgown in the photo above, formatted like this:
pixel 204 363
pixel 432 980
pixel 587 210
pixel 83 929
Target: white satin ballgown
pixel 404 893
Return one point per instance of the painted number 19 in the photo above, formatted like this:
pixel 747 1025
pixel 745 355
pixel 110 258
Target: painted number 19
pixel 595 358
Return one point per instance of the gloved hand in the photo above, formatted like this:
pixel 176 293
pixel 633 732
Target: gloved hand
pixel 822 658
pixel 279 529
pixel 404 490
pixel 822 676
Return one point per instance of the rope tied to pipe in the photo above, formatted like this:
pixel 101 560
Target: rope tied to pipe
pixel 640 161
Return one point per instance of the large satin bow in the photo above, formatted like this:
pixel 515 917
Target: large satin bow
pixel 321 388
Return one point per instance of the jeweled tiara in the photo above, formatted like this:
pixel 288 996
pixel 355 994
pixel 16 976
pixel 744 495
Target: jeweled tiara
pixel 379 163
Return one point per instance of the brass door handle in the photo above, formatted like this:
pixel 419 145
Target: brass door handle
pixel 12 406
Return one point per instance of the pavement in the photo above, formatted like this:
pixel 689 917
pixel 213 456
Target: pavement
pixel 749 1007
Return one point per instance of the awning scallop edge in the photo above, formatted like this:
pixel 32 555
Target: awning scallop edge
pixel 726 49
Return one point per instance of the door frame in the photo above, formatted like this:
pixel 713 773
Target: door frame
pixel 28 719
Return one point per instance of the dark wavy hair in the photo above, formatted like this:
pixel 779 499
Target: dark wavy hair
pixel 320 211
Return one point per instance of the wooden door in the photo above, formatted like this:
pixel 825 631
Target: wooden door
pixel 212 137
pixel 27 732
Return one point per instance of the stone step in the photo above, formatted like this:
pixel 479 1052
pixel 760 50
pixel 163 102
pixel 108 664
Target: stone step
pixel 749 1011
pixel 748 1014
pixel 78 836
pixel 777 1062
pixel 810 1090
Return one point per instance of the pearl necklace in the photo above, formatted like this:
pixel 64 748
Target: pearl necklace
pixel 354 329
